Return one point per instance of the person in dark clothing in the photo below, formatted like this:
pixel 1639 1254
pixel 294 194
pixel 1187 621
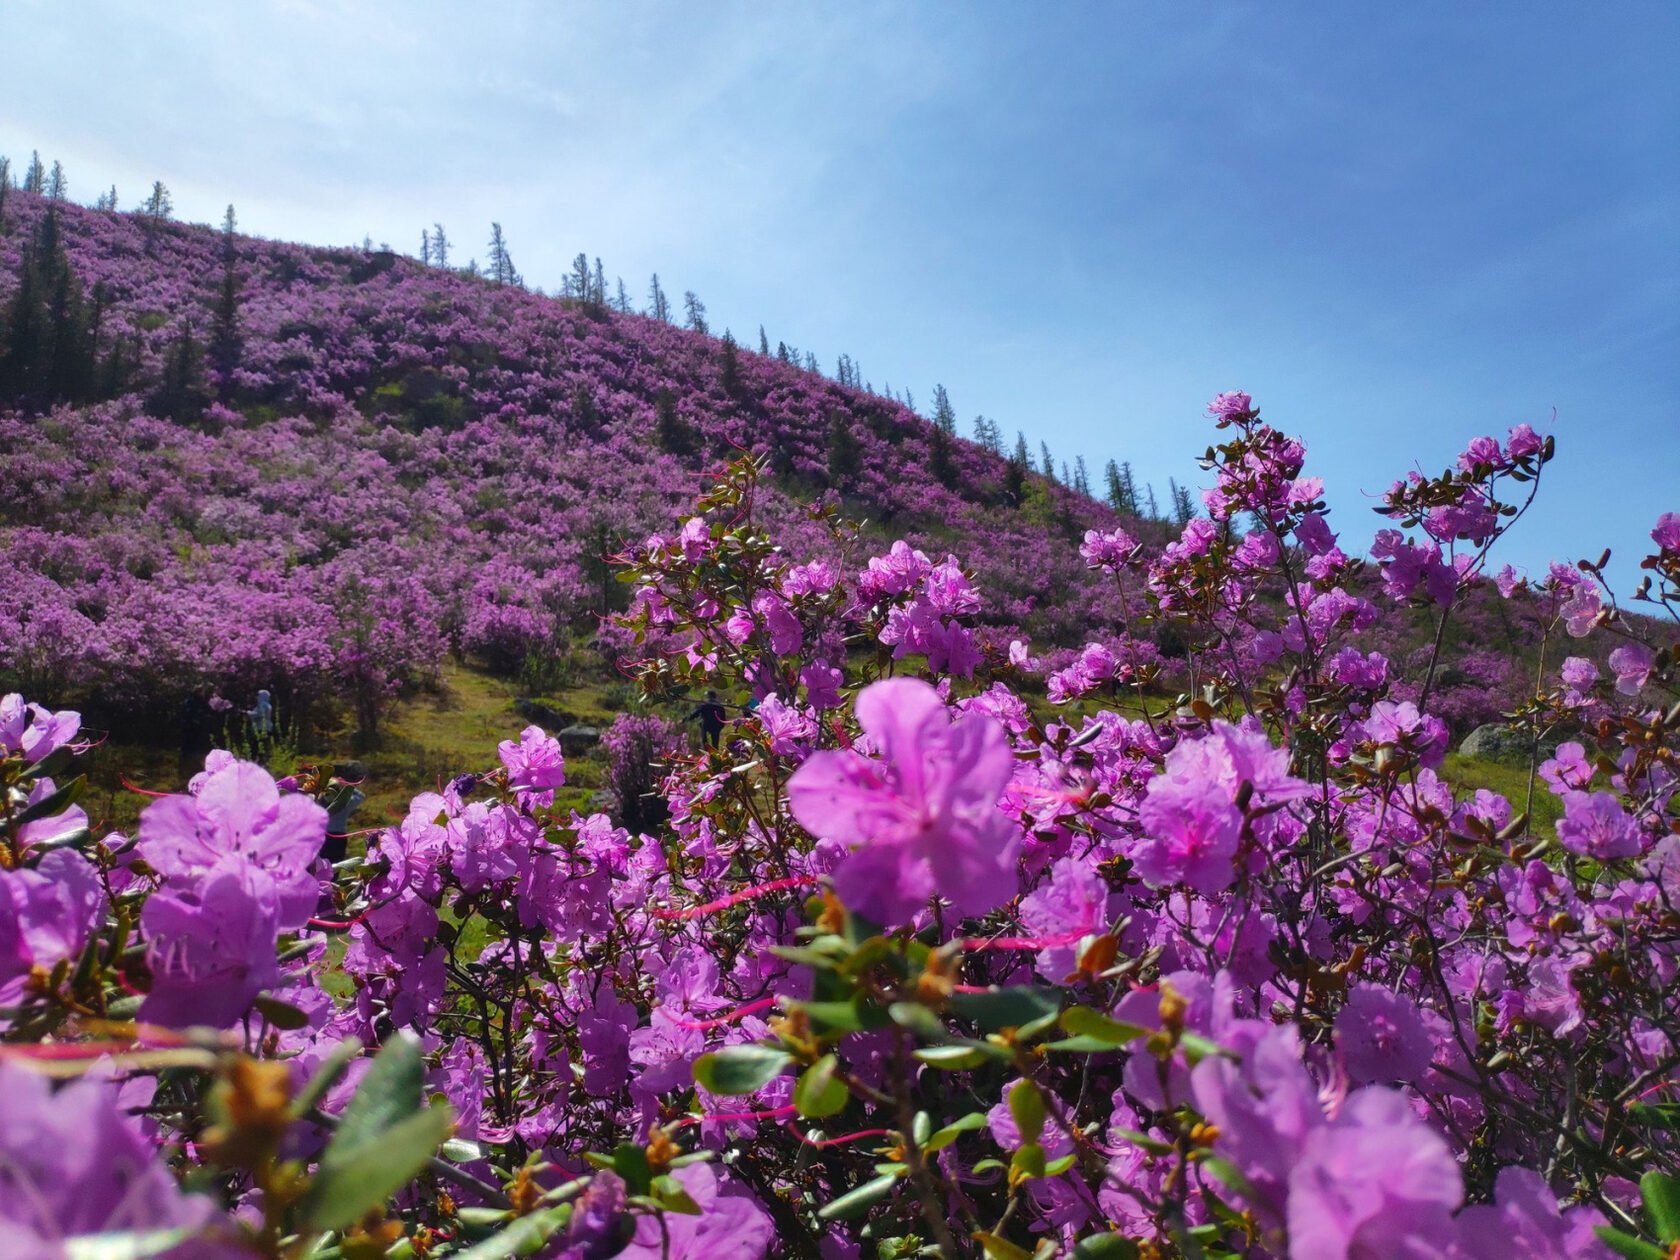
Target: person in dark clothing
pixel 712 716
pixel 340 800
pixel 195 733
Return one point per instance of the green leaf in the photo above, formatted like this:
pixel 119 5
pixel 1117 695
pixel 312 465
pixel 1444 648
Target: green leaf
pixel 1657 1115
pixel 281 1015
pixel 326 1076
pixel 520 1238
pixel 1056 1167
pixel 819 1092
pixel 1661 1194
pixel 1105 1247
pixel 389 1093
pixel 997 1009
pixel 1001 1248
pixel 1627 1246
pixel 53 803
pixel 352 1183
pixel 1026 1104
pixel 630 1162
pixel 854 1202
pixel 958 1057
pixel 1027 1162
pixel 668 1192
pixel 918 1019
pixel 1082 1021
pixel 830 1019
pixel 740 1069
pixel 941 1138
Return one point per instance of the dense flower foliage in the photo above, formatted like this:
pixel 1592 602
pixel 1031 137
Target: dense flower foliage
pixel 913 958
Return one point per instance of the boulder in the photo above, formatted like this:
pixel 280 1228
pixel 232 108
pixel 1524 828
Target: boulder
pixel 1494 742
pixel 577 739
pixel 543 714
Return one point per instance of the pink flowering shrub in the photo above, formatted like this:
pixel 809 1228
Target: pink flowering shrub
pixel 1208 961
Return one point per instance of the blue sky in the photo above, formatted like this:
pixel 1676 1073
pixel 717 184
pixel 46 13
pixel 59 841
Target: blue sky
pixel 1397 226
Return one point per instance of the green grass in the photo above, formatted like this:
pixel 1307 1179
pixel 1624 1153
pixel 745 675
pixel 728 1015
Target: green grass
pixel 1511 782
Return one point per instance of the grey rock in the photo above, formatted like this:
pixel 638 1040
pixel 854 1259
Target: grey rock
pixel 578 739
pixel 1494 742
pixel 544 715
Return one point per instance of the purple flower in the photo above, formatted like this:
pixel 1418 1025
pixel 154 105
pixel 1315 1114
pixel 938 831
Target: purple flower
pixel 1190 834
pixel 1372 1182
pixel 919 820
pixel 239 811
pixel 1568 769
pixel 731 1225
pixel 1632 663
pixel 1074 901
pixel 535 765
pixel 211 951
pixel 1578 672
pixel 47 914
pixel 29 731
pixel 1595 825
pixel 1667 533
pixel 1231 405
pixel 71 1165
pixel 1382 1037
pixel 1524 1220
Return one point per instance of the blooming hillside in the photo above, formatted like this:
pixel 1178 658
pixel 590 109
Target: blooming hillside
pixel 236 464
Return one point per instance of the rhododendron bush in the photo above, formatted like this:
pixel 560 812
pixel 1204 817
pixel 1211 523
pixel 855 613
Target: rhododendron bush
pixel 946 949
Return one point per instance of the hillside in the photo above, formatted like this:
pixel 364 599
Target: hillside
pixel 319 471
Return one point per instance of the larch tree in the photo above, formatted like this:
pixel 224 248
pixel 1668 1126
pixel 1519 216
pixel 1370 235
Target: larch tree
pixel 944 415
pixel 440 245
pixel 694 310
pixel 35 178
pixel 158 205
pixel 659 306
pixel 58 186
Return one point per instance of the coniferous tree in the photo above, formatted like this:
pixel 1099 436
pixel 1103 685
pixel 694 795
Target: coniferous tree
pixel 1154 507
pixel 1081 476
pixel 784 354
pixel 669 430
pixel 1128 482
pixel 1049 466
pixel 621 302
pixel 440 245
pixel 158 205
pixel 845 453
pixel 659 307
pixel 578 278
pixel 1064 476
pixel 5 187
pixel 1184 504
pixel 730 364
pixel 599 285
pixel 48 350
pixel 425 248
pixel 1116 489
pixel 107 200
pixel 909 400
pixel 181 394
pixel 811 364
pixel 226 344
pixel 944 415
pixel 763 342
pixel 35 178
pixel 940 462
pixel 502 270
pixel 695 311
pixel 58 187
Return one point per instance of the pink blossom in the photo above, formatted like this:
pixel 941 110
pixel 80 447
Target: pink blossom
pixel 1595 825
pixel 921 818
pixel 1632 663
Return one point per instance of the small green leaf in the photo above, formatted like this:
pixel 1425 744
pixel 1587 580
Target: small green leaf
pixel 53 802
pixel 955 1058
pixel 819 1092
pixel 1105 1247
pixel 630 1162
pixel 1027 1162
pixel 997 1009
pixel 941 1138
pixel 352 1183
pixel 520 1238
pixel 1026 1104
pixel 859 1200
pixel 1001 1248
pixel 1627 1246
pixel 1082 1021
pixel 1661 1194
pixel 1056 1167
pixel 740 1069
pixel 281 1015
pixel 668 1192
pixel 918 1019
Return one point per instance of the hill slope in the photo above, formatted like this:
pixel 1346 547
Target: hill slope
pixel 232 463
